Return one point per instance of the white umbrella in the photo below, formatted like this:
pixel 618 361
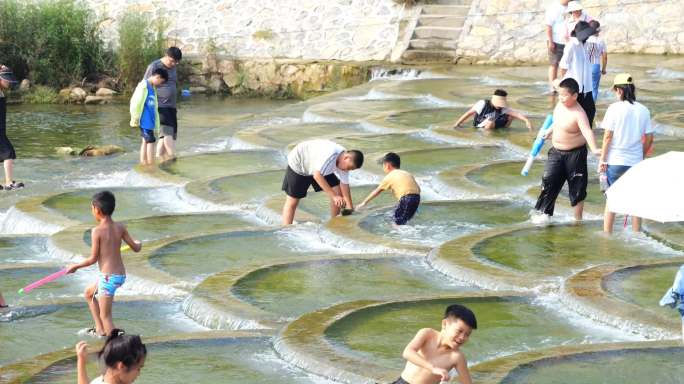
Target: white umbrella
pixel 652 189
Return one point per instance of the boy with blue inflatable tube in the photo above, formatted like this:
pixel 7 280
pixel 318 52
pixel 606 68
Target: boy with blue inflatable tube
pixel 567 158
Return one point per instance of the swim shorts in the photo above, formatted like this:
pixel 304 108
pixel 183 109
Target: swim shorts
pixel 108 284
pixel 556 55
pixel 562 166
pixel 400 380
pixel 168 122
pixel 408 204
pixel 148 135
pixel 296 185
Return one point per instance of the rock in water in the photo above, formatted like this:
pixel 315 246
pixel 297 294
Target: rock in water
pixel 92 151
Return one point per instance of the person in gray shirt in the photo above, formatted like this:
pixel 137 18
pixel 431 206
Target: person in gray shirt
pixel 166 98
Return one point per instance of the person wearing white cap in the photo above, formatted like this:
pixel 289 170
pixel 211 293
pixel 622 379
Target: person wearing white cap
pixel 554 20
pixel 7 154
pixel 493 113
pixel 625 123
pixel 576 14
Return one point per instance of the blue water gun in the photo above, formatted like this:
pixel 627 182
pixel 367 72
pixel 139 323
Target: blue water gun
pixel 538 144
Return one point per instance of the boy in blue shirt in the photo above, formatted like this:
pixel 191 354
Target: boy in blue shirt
pixel 144 112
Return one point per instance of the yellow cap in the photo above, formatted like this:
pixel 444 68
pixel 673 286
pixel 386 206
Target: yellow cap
pixel 623 79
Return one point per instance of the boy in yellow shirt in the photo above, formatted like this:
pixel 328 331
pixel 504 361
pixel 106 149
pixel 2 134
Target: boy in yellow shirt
pixel 403 186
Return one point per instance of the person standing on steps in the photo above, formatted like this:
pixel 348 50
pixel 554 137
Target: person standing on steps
pixel 555 37
pixel 7 154
pixel 166 97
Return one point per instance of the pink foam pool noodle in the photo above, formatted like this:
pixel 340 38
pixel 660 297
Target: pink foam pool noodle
pixel 42 281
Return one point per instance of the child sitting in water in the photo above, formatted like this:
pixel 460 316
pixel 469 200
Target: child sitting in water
pixel 123 356
pixel 144 112
pixel 493 113
pixel 403 186
pixel 106 252
pixel 432 354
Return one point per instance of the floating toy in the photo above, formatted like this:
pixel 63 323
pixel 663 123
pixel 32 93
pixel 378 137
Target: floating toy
pixel 537 146
pixel 43 281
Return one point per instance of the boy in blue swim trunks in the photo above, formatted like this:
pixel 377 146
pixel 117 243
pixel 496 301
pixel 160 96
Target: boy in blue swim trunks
pixel 106 252
pixel 144 112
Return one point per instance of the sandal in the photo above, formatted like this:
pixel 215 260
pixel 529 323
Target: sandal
pixel 14 186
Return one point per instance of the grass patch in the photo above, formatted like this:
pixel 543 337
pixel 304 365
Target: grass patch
pixel 40 94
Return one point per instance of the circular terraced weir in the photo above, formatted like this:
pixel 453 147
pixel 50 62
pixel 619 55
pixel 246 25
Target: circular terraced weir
pixel 296 288
pixel 647 365
pixel 338 299
pixel 506 325
pixel 560 250
pixel 437 222
pixel 224 360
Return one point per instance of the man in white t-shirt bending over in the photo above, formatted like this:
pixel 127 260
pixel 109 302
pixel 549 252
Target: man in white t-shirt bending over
pixel 318 163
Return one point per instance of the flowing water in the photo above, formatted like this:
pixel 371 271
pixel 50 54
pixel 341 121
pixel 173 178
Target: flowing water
pixel 335 300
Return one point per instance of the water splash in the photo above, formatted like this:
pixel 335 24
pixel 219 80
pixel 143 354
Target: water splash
pixel 16 222
pixel 665 73
pixel 403 74
pixel 209 317
pixel 313 117
pixel 129 178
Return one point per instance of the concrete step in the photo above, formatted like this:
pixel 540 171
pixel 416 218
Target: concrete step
pixel 433 44
pixel 447 2
pixel 441 21
pixel 419 55
pixel 453 10
pixel 445 33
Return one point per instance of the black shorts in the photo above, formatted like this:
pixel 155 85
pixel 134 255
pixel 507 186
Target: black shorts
pixel 168 122
pixel 6 148
pixel 408 204
pixel 586 100
pixel 296 185
pixel 562 166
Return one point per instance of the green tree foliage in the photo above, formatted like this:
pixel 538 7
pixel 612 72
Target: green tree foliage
pixel 52 42
pixel 140 42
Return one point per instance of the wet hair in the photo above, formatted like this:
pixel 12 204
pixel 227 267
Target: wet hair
pixel 105 202
pixel 174 53
pixel 161 72
pixel 119 347
pixel 500 92
pixel 596 25
pixel 457 311
pixel 571 85
pixel 628 92
pixel 357 157
pixel 393 159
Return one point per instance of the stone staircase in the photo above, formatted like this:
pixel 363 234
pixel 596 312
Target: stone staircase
pixel 436 35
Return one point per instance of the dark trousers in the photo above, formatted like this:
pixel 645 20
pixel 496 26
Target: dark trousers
pixel 586 100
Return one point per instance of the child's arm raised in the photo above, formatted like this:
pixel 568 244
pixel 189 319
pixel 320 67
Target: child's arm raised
pixel 94 253
pixel 82 358
pixel 462 368
pixel 411 354
pixel 136 246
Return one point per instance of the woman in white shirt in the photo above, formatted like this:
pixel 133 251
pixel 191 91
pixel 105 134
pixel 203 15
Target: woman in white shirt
pixel 575 64
pixel 628 135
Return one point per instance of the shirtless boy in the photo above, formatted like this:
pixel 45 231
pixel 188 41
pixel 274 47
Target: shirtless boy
pixel 106 252
pixel 432 354
pixel 567 158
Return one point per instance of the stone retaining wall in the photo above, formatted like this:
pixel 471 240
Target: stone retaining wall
pixel 513 32
pixel 349 30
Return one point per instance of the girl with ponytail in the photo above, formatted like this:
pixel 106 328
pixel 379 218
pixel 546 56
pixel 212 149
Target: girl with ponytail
pixel 123 357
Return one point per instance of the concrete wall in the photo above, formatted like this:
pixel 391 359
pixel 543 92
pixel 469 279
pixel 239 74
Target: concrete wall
pixel 350 30
pixel 512 31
